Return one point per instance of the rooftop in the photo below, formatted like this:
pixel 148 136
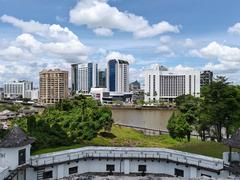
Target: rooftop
pixel 16 138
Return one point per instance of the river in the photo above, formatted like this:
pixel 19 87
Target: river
pixel 145 118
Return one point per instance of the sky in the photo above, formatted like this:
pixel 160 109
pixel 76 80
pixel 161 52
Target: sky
pixel 181 35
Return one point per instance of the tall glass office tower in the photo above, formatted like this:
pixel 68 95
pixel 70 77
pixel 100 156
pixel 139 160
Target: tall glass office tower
pixel 118 76
pixel 84 77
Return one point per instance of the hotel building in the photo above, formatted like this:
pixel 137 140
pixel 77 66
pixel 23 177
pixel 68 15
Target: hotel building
pixel 164 85
pixel 53 86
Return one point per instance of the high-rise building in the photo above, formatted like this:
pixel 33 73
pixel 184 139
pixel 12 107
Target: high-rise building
pixel 118 76
pixel 102 79
pixel 84 77
pixel 164 85
pixel 17 89
pixel 134 86
pixel 53 86
pixel 206 78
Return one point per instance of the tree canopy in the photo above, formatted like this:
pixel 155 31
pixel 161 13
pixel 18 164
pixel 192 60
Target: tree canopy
pixel 69 121
pixel 214 114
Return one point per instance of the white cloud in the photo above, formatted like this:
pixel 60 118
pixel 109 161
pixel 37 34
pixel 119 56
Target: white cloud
pixel 117 55
pixel 29 27
pixel 99 14
pixel 188 43
pixel 228 57
pixel 103 32
pixel 2 68
pixel 14 54
pixel 164 47
pixel 181 68
pixel 165 39
pixel 55 41
pixel 235 28
pixel 218 51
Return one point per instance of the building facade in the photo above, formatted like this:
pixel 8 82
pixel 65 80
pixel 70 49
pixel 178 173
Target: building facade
pixel 118 76
pixel 84 77
pixel 102 79
pixel 53 86
pixel 206 78
pixel 164 85
pixel 17 89
pixel 32 94
pixel 134 86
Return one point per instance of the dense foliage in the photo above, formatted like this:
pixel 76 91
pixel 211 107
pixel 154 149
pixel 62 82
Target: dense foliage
pixel 214 114
pixel 69 121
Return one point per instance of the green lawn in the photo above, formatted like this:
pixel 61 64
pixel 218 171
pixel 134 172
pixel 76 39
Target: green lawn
pixel 132 138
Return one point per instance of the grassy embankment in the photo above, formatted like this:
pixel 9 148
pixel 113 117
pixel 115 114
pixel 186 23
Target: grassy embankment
pixel 129 137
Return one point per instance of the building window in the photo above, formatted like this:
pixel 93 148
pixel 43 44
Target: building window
pixel 205 175
pixel 142 168
pixel 110 167
pixel 21 156
pixel 73 170
pixel 47 174
pixel 179 173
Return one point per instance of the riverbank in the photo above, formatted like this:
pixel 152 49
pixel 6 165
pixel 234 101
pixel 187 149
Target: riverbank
pixel 127 137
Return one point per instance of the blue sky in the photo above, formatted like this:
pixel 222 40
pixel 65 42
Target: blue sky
pixel 187 34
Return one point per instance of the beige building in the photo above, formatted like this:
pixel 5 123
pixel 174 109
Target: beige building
pixel 53 86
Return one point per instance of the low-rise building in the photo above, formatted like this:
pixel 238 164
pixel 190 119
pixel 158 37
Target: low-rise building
pixel 17 163
pixel 32 94
pixel 101 94
pixel 134 86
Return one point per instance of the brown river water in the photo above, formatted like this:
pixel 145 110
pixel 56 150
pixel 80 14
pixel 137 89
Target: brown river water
pixel 144 118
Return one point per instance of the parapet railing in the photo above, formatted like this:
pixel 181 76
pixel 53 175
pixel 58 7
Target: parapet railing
pixel 127 153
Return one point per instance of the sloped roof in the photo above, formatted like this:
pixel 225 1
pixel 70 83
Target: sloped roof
pixel 234 141
pixel 16 138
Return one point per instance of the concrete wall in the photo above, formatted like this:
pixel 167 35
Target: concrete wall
pixel 9 156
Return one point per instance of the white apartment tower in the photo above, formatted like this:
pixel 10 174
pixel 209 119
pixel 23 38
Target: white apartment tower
pixel 118 76
pixel 164 85
pixel 84 77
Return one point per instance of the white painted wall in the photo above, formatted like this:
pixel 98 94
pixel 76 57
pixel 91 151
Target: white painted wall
pixel 9 156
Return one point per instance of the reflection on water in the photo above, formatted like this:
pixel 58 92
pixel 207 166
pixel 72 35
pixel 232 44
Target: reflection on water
pixel 146 118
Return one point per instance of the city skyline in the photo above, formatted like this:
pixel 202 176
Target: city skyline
pixel 179 35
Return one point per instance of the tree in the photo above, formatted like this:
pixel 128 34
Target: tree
pixel 188 106
pixel 69 121
pixel 178 127
pixel 223 102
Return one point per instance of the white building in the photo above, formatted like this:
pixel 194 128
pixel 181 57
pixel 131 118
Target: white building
pixel 101 94
pixel 84 77
pixel 32 94
pixel 118 76
pixel 17 89
pixel 17 164
pixel 162 84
